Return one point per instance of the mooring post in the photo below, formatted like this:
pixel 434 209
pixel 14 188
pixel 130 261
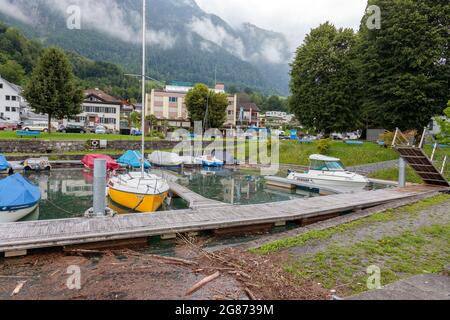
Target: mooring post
pixel 100 187
pixel 402 173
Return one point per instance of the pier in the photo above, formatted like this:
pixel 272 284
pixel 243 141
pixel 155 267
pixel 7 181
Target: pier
pixel 18 238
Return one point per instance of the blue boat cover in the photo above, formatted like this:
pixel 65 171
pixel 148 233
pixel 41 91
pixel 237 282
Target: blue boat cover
pixel 4 164
pixel 17 192
pixel 133 159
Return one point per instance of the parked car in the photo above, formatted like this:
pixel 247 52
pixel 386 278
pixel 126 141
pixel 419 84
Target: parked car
pixel 72 128
pixel 41 127
pixel 8 125
pixel 100 130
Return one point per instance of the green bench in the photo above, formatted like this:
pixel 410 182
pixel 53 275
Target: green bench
pixel 22 134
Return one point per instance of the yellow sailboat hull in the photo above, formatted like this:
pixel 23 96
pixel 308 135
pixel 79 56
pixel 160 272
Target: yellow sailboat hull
pixel 137 202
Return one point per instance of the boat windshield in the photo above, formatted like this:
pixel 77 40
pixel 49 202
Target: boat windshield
pixel 327 166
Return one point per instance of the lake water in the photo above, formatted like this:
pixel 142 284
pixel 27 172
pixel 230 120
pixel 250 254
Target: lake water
pixel 68 193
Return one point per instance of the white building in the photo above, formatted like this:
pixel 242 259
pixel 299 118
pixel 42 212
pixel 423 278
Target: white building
pixel 10 101
pixel 99 108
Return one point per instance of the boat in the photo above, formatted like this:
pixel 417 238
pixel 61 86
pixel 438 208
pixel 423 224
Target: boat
pixel 132 160
pixel 18 198
pixel 165 159
pixel 37 164
pixel 5 166
pixel 111 164
pixel 330 172
pixel 140 191
pixel 209 161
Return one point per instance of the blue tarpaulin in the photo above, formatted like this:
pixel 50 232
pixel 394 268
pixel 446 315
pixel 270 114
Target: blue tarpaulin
pixel 16 192
pixel 133 159
pixel 4 164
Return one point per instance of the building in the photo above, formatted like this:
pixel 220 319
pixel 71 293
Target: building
pixel 247 115
pixel 168 105
pixel 276 119
pixel 11 101
pixel 99 108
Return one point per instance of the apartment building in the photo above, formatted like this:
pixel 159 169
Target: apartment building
pixel 168 105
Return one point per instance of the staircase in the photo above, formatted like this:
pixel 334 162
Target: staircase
pixel 430 169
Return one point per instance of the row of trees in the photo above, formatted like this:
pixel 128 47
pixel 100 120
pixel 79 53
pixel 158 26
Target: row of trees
pixel 394 76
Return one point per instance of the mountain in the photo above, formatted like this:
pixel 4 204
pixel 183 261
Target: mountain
pixel 185 42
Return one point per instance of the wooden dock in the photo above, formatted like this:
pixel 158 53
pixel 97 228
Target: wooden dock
pixel 23 236
pixel 194 200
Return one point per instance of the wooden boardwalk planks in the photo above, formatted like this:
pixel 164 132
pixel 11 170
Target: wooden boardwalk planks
pixel 42 234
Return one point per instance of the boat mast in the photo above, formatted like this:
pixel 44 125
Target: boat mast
pixel 144 31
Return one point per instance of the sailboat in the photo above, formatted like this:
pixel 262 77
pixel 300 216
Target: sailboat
pixel 140 191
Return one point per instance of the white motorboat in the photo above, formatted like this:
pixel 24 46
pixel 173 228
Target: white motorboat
pixel 165 159
pixel 330 172
pixel 209 161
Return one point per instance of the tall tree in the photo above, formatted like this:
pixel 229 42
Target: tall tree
pixel 200 99
pixel 323 80
pixel 52 89
pixel 405 63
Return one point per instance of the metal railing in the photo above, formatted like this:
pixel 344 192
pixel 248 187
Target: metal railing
pixel 400 139
pixel 437 155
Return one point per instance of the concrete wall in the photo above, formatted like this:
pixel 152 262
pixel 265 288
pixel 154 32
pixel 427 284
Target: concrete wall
pixel 42 146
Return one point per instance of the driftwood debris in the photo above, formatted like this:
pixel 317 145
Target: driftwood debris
pixel 250 294
pixel 203 283
pixel 18 288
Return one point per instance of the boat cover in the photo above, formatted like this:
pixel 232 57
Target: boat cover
pixel 133 159
pixel 89 160
pixel 16 192
pixel 4 164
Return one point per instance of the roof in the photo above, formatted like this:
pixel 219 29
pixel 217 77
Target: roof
pixel 13 86
pixel 249 105
pixel 319 157
pixel 101 95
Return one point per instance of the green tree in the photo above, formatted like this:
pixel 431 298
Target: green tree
pixel 52 89
pixel 323 80
pixel 13 72
pixel 405 64
pixel 200 99
pixel 152 121
pixel 135 118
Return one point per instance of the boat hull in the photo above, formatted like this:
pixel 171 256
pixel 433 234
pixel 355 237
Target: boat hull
pixel 137 202
pixel 344 185
pixel 15 215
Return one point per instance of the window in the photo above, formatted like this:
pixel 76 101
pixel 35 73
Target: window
pixel 13 109
pixel 8 109
pixel 1 85
pixel 173 99
pixel 8 98
pixel 14 98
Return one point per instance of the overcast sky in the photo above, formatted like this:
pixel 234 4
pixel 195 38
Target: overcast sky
pixel 294 18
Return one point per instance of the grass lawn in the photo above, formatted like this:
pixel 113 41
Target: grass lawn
pixel 401 254
pixel 293 152
pixel 10 135
pixel 392 174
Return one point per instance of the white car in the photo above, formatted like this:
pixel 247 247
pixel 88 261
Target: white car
pixel 100 130
pixel 41 127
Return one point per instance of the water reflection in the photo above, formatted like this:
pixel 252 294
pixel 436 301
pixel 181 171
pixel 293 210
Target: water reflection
pixel 234 187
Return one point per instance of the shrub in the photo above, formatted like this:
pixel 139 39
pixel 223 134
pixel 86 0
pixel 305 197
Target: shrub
pixel 323 146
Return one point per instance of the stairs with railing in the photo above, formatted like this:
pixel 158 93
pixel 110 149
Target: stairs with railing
pixel 432 169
